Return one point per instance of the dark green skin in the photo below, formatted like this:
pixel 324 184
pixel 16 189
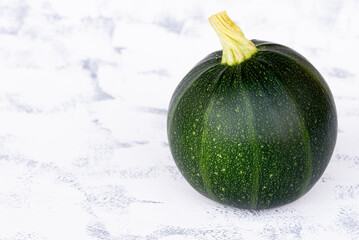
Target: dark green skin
pixel 254 135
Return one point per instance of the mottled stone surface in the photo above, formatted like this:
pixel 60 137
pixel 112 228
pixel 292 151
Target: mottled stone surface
pixel 84 91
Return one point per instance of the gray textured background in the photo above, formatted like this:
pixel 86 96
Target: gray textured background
pixel 84 90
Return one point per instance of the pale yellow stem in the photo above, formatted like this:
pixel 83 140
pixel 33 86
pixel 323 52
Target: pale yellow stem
pixel 236 48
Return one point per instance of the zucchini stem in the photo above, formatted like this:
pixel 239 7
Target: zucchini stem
pixel 236 48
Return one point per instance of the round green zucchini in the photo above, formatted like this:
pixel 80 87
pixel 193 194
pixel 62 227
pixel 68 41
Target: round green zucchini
pixel 253 126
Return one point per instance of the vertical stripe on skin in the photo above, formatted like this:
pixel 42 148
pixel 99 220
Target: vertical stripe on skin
pixel 203 158
pixel 305 132
pixel 255 148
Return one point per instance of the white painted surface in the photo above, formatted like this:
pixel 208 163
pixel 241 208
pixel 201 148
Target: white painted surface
pixel 84 91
